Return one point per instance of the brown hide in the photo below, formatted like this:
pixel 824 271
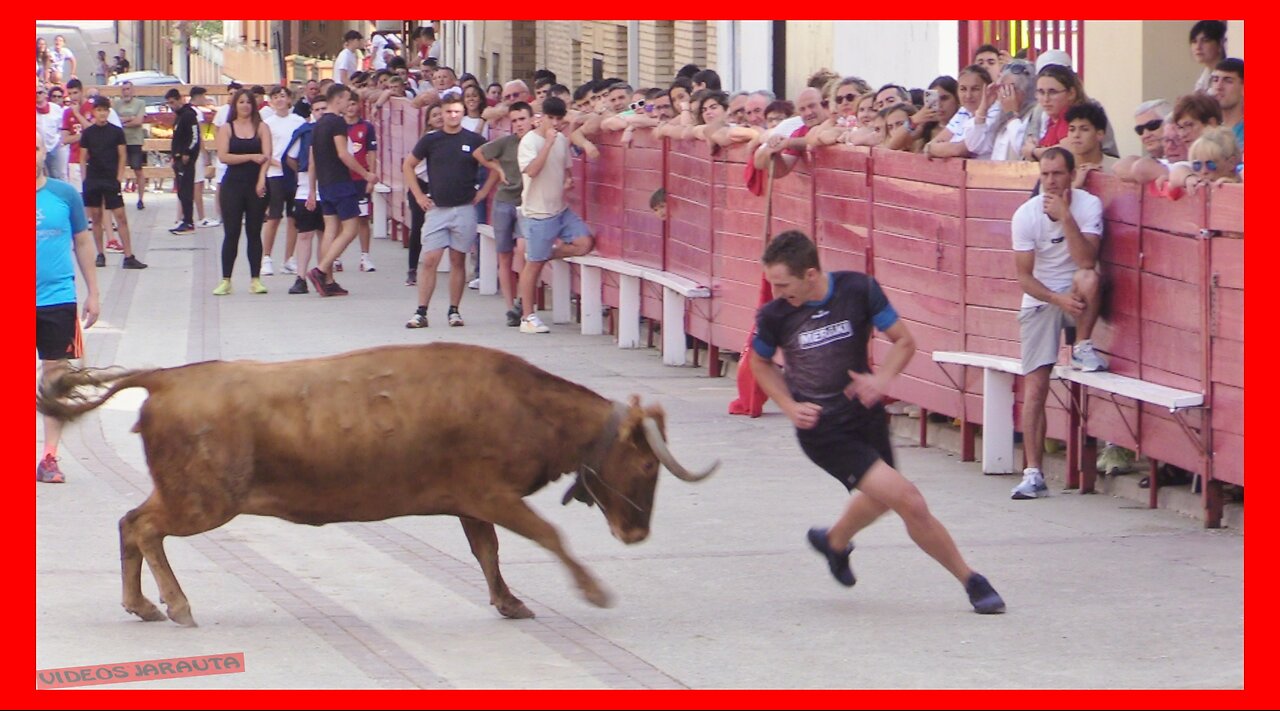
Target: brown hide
pixel 364 436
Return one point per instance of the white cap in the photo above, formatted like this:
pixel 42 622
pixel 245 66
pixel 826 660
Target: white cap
pixel 1053 56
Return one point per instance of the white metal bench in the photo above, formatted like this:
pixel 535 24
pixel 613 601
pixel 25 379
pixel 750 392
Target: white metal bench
pixel 1175 400
pixel 997 404
pixel 676 290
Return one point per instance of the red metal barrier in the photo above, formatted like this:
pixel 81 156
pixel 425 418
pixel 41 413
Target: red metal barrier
pixel 936 235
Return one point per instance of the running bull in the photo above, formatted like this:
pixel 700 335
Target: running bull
pixel 368 435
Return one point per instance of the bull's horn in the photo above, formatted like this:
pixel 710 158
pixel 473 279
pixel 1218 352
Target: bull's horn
pixel 659 447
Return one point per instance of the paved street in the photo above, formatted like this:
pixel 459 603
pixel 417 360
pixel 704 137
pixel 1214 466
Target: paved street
pixel 1102 592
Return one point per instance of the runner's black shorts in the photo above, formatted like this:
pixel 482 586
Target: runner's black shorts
pixel 847 441
pixel 280 191
pixel 58 334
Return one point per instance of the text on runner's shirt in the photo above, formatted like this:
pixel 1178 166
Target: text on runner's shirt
pixel 827 334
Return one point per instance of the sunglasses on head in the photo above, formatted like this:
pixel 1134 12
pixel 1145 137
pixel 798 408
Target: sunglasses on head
pixel 1152 125
pixel 1018 68
pixel 1212 165
pixel 844 98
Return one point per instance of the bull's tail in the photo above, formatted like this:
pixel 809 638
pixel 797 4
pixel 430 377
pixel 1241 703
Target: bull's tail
pixel 80 390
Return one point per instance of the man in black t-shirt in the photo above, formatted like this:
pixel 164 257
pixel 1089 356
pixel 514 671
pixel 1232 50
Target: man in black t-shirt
pixel 450 154
pixel 331 168
pixel 823 324
pixel 102 163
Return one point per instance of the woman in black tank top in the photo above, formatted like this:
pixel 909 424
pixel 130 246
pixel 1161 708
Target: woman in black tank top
pixel 244 144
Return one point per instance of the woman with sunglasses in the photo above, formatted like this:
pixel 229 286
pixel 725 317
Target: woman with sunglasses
pixel 844 99
pixel 1215 160
pixel 1000 122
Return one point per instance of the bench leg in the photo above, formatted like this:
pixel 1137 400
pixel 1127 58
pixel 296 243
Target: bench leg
pixel 673 341
pixel 589 302
pixel 488 263
pixel 997 422
pixel 713 361
pixel 561 286
pixel 1212 502
pixel 968 435
pixel 924 427
pixel 628 311
pixel 1153 486
pixel 380 219
pixel 1088 465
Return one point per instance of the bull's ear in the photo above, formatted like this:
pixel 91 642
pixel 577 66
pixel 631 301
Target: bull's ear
pixel 632 421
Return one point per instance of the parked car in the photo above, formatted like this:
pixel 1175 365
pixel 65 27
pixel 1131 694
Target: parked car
pixel 146 77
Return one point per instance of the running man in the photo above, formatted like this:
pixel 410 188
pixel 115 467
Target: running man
pixel 63 242
pixel 823 323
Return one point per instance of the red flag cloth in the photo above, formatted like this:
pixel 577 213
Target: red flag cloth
pixel 755 179
pixel 751 398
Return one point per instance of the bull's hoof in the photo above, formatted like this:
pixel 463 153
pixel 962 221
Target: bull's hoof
pixel 598 596
pixel 514 609
pixel 148 612
pixel 182 616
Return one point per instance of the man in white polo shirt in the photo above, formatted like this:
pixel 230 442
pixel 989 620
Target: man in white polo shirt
pixel 1056 239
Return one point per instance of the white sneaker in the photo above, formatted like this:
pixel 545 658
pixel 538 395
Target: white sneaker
pixel 208 222
pixel 1032 485
pixel 366 264
pixel 533 324
pixel 290 266
pixel 337 265
pixel 268 268
pixel 474 283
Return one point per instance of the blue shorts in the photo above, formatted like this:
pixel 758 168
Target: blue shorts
pixel 341 199
pixel 504 226
pixel 540 235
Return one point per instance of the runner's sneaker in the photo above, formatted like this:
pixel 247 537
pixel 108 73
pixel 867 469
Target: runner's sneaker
pixel 140 205
pixel 983 597
pixel 299 286
pixel 837 561
pixel 455 318
pixel 290 266
pixel 1084 357
pixel 1032 485
pixel 47 471
pixel 256 287
pixel 417 321
pixel 268 269
pixel 131 262
pixel 337 265
pixel 533 324
pixel 366 264
pixel 208 222
pixel 316 277
pixel 184 228
pixel 114 246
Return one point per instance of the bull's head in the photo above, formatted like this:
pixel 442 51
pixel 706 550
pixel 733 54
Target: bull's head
pixel 624 474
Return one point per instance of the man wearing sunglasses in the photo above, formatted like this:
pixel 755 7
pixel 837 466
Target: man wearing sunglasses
pixel 1149 121
pixel 513 92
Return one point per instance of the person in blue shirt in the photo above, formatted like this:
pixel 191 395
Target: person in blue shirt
pixel 63 242
pixel 823 322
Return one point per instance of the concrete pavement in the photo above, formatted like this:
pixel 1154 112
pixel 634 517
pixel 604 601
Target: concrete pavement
pixel 1102 592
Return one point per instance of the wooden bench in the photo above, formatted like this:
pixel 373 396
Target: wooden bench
pixel 997 406
pixel 676 290
pixel 1175 400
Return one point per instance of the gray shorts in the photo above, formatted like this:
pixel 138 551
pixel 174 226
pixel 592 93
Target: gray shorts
pixel 504 226
pixel 1042 328
pixel 453 227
